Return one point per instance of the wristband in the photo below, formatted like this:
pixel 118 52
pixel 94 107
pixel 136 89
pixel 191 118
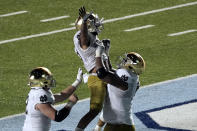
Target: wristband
pixel 70 104
pixel 76 83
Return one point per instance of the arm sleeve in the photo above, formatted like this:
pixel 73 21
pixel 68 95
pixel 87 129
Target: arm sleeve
pixel 62 114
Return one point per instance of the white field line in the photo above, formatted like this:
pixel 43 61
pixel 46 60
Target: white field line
pixel 170 81
pixel 146 86
pixel 139 28
pixel 150 12
pixel 72 24
pixel 13 13
pixel 181 33
pixel 37 35
pixel 54 18
pixel 106 21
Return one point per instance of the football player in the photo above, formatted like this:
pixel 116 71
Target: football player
pixel 39 109
pixel 89 26
pixel 86 42
pixel 116 112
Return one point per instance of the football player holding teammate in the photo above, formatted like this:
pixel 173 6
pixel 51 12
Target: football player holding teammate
pixel 117 113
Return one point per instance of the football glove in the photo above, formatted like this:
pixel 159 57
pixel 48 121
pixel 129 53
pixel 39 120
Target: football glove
pixel 83 14
pixel 78 79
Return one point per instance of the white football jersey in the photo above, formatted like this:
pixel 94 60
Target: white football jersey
pixel 117 104
pixel 87 55
pixel 35 120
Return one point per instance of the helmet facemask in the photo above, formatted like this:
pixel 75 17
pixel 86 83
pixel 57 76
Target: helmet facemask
pixel 121 60
pixel 132 61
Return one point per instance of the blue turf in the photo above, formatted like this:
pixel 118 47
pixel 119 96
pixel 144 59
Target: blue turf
pixel 152 98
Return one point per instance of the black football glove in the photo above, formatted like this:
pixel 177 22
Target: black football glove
pixel 83 14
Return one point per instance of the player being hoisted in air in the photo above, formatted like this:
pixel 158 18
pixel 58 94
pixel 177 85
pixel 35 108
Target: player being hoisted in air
pixel 86 42
pixel 89 26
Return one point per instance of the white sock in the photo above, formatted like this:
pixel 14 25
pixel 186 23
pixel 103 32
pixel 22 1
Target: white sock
pixel 97 128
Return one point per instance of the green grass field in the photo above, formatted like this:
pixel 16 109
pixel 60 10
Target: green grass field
pixel 166 57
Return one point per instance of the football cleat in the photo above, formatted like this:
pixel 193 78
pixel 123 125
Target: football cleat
pixel 41 77
pixel 132 61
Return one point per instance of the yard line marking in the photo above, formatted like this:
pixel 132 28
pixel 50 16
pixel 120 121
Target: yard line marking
pixel 13 13
pixel 105 21
pixel 55 18
pixel 86 99
pixel 139 28
pixel 181 33
pixel 37 35
pixel 150 12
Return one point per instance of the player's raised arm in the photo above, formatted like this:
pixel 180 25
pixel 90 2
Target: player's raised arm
pixel 84 38
pixel 89 26
pixel 106 76
pixel 106 43
pixel 64 94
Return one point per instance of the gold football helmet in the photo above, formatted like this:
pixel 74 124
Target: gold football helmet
pixel 94 23
pixel 41 77
pixel 132 61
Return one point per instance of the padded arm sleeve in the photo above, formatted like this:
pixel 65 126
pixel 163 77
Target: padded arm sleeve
pixel 101 73
pixel 62 114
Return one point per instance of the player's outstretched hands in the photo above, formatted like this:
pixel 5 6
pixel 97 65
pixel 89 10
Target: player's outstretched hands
pixel 106 43
pixel 78 79
pixel 83 14
pixel 99 51
pixel 100 48
pixel 82 11
pixel 80 75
